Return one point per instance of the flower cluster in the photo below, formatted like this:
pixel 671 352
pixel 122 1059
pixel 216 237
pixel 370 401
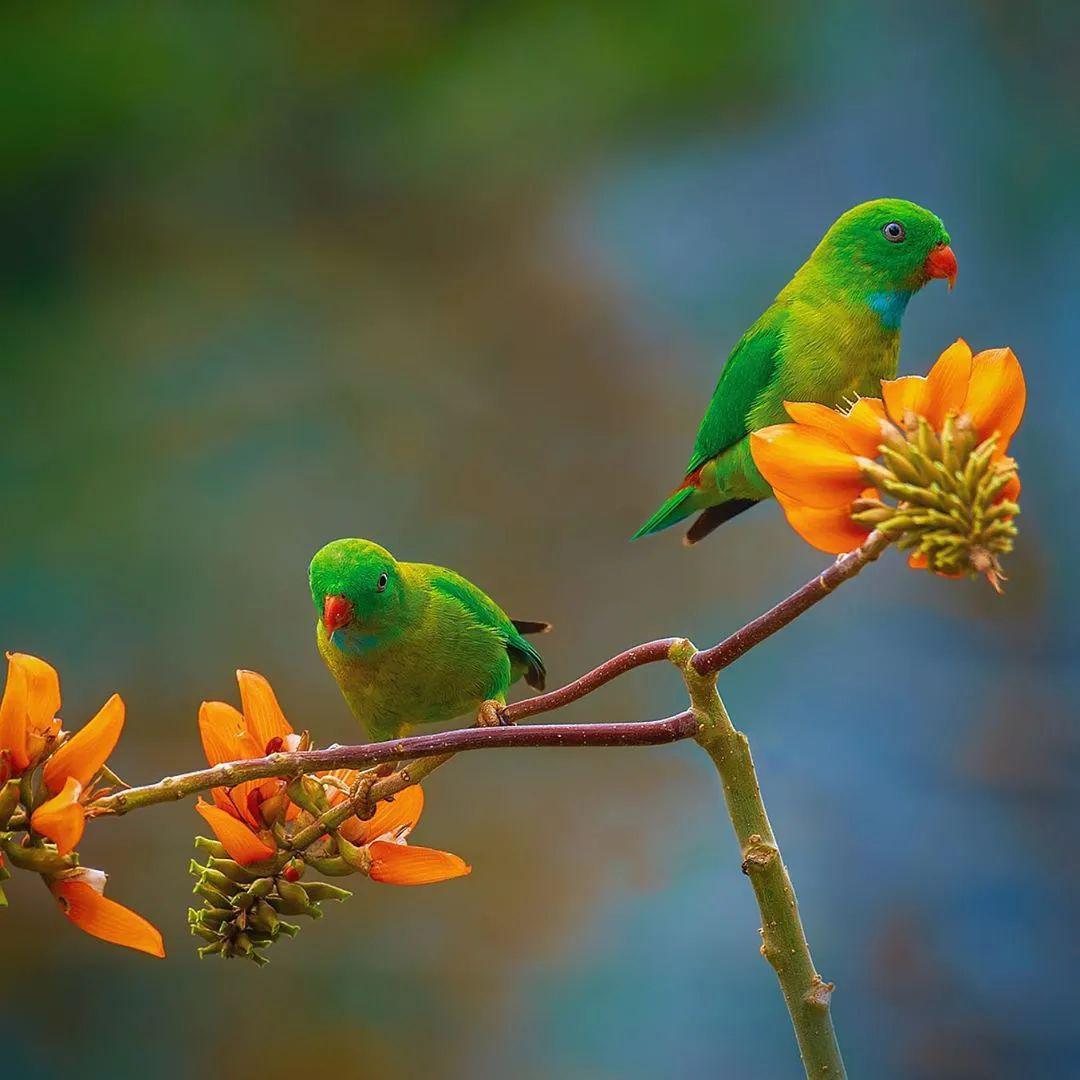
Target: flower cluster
pixel 48 776
pixel 925 464
pixel 269 832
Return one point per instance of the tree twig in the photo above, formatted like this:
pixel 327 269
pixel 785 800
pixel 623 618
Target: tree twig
pixel 173 788
pixel 776 618
pixel 784 942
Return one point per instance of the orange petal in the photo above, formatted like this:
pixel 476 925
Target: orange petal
pixel 828 529
pixel 106 919
pixel 62 818
pixel 399 864
pixel 947 383
pixel 246 797
pixel 42 692
pixel 13 715
pixel 807 465
pixel 31 701
pixel 88 749
pixel 996 395
pixel 904 395
pixel 397 818
pixel 265 720
pixel 860 429
pixel 224 734
pixel 238 840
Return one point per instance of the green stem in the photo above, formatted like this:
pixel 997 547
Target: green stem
pixel 783 942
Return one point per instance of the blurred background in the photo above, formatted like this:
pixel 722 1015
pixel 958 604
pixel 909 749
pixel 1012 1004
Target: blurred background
pixel 460 278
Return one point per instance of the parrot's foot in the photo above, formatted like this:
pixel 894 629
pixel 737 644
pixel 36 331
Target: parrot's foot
pixel 361 797
pixel 490 715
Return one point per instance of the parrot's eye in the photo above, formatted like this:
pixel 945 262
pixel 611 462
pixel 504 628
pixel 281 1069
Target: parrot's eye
pixel 894 232
pixel 381 587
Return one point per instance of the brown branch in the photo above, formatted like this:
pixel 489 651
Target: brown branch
pixel 172 788
pixel 648 653
pixel 707 661
pixel 776 618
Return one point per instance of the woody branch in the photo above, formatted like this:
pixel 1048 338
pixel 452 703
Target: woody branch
pixel 640 733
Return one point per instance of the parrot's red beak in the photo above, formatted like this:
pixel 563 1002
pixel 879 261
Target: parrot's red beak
pixel 941 263
pixel 336 613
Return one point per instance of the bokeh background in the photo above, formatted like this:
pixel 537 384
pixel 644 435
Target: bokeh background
pixel 460 277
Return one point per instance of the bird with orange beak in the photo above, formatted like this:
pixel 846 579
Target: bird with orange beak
pixel 410 643
pixel 830 336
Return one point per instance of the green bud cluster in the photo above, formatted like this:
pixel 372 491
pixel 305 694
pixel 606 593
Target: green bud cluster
pixel 948 490
pixel 243 906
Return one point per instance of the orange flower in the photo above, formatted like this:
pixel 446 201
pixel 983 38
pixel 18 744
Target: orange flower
pixel 81 896
pixel 987 388
pixel 240 815
pixel 821 464
pixel 29 727
pixel 62 818
pixel 813 468
pixel 240 840
pixel 384 836
pixel 68 775
pixel 28 720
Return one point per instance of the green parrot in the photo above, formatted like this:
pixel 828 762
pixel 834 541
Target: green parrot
pixel 410 643
pixel 831 335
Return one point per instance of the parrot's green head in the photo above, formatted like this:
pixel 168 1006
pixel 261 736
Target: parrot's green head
pixel 357 589
pixel 886 248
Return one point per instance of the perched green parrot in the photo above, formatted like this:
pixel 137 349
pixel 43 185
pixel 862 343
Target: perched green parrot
pixel 410 643
pixel 830 336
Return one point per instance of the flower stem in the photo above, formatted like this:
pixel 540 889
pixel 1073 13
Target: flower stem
pixel 783 940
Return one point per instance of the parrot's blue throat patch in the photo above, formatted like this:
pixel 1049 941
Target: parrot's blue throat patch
pixel 889 306
pixel 353 644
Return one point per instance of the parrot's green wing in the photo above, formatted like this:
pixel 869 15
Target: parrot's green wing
pixel 488 613
pixel 748 371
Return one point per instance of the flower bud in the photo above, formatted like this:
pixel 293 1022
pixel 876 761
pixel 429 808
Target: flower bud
pixel 264 917
pixel 318 891
pixel 308 794
pixel 232 870
pixel 9 799
pixel 211 846
pixel 292 899
pixel 208 892
pixel 356 857
pixel 220 881
pixel 334 866
pixel 263 887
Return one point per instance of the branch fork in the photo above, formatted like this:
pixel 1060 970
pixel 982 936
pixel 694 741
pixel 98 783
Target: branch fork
pixel 784 942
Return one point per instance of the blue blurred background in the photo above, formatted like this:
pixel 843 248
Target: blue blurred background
pixel 460 277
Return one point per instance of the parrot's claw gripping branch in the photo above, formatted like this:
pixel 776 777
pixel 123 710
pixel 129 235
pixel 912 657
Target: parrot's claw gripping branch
pixel 784 943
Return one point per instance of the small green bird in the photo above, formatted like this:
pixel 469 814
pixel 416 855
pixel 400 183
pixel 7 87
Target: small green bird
pixel 410 643
pixel 831 335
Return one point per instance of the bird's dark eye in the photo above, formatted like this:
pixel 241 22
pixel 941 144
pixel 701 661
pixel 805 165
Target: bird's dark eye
pixel 894 232
pixel 381 587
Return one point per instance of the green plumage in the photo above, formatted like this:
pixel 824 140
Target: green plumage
pixel 423 644
pixel 831 335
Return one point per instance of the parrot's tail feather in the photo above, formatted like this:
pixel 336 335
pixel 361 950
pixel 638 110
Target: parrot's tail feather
pixel 526 626
pixel 714 517
pixel 673 510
